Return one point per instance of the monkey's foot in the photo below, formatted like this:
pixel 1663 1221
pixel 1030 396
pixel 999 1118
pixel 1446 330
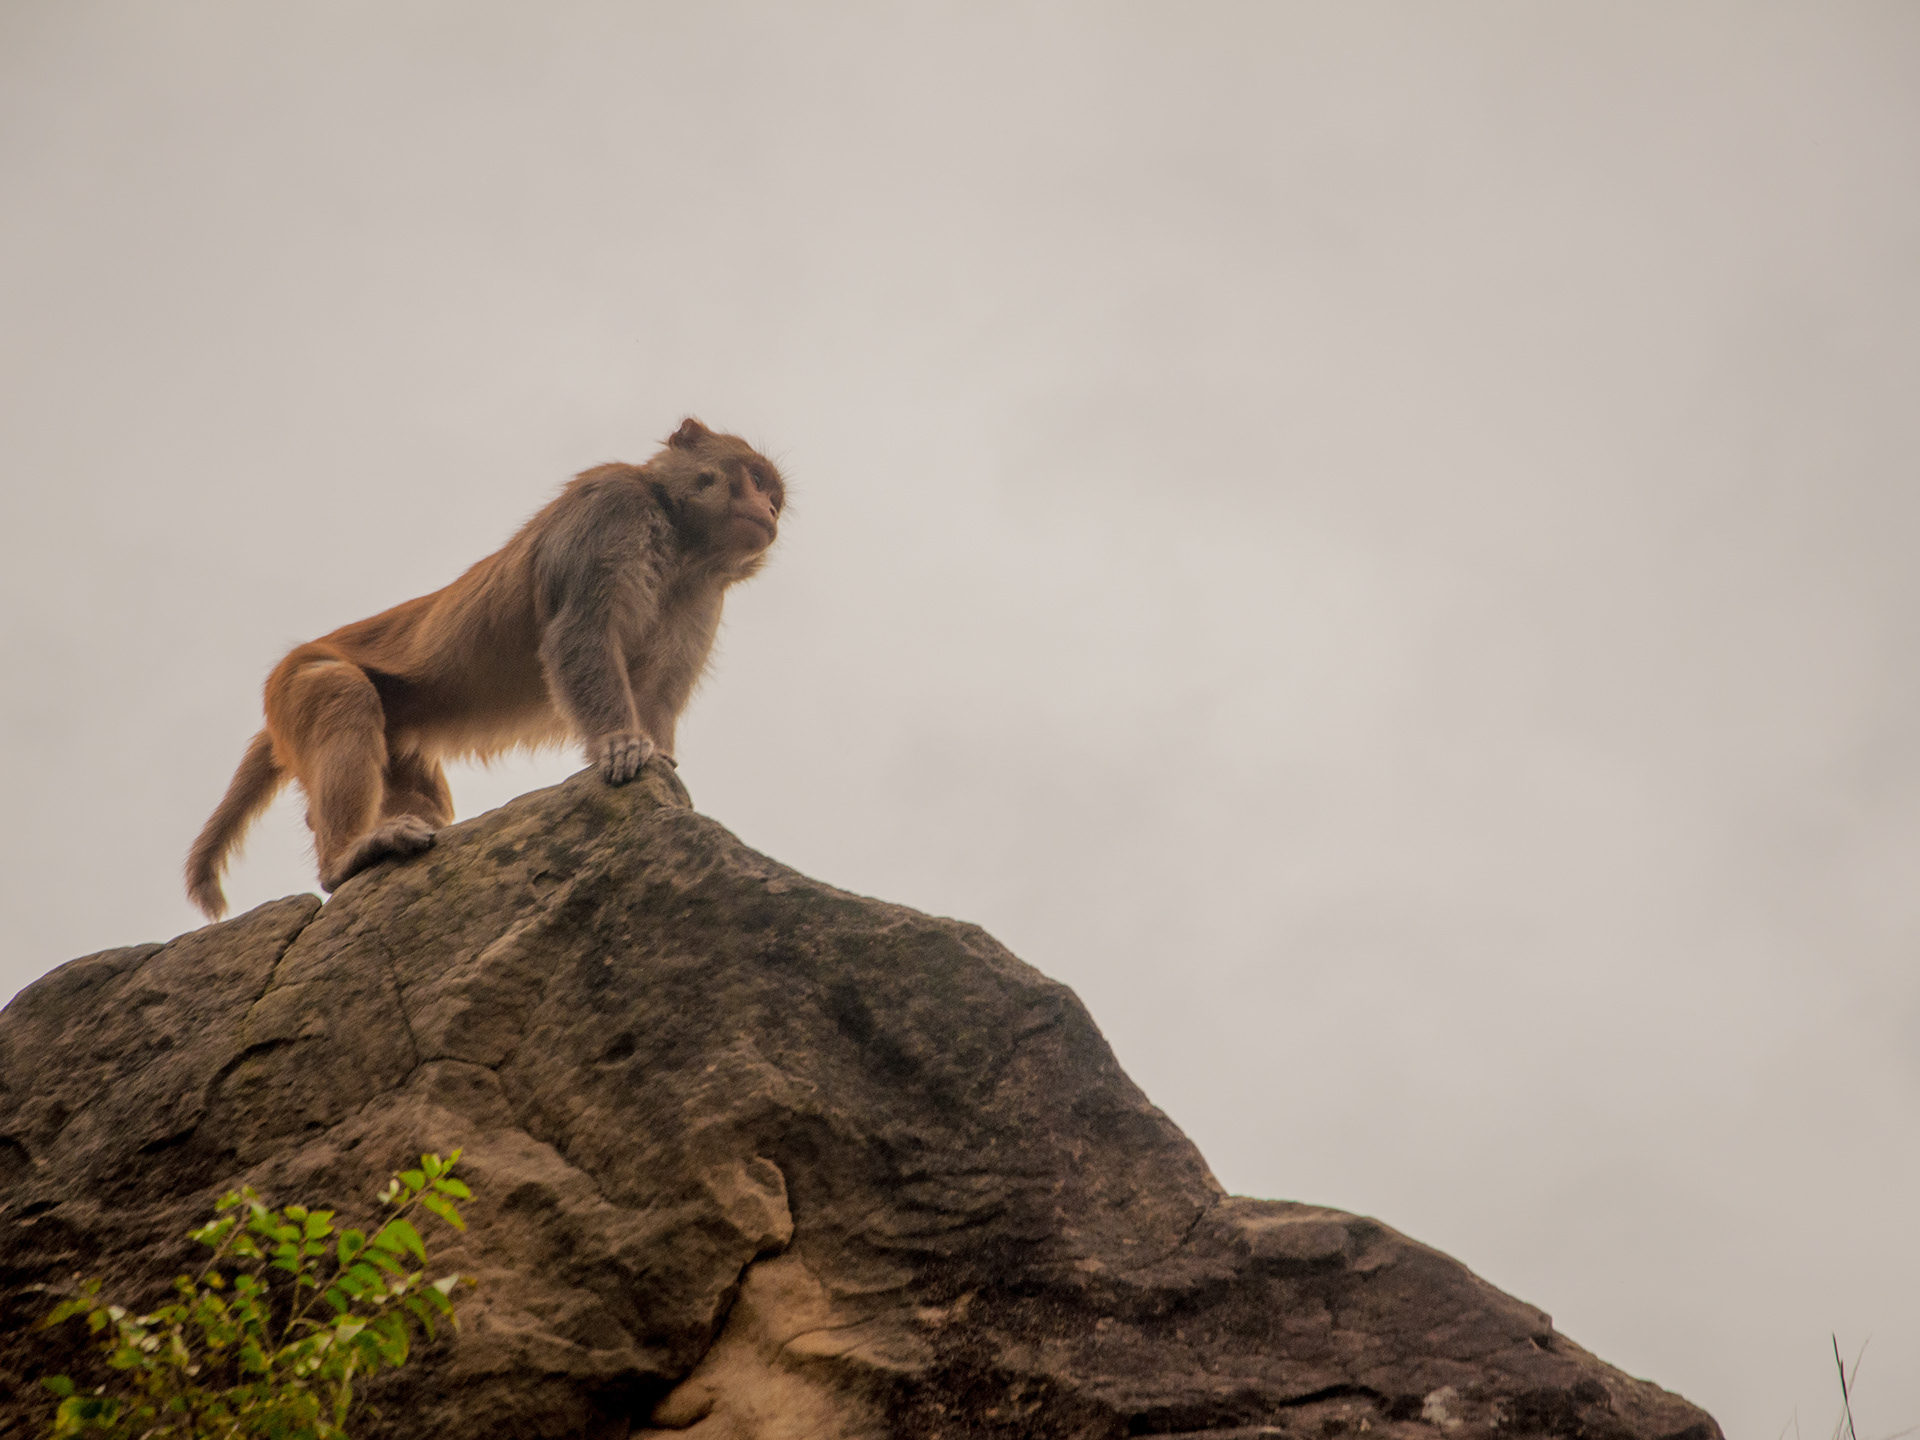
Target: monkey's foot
pixel 402 835
pixel 621 755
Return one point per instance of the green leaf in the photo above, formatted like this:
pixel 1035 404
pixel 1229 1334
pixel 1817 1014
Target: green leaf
pixel 351 1243
pixel 397 1234
pixel 58 1384
pixel 392 1331
pixel 453 1188
pixel 385 1261
pixel 418 1308
pixel 373 1284
pixel 431 1164
pixel 413 1179
pixel 78 1411
pixel 444 1209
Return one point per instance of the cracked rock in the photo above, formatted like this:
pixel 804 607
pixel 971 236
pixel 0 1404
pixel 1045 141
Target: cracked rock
pixel 753 1159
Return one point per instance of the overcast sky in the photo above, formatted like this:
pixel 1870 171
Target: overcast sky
pixel 1376 542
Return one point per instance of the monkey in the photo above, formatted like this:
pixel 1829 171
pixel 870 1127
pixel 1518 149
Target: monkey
pixel 594 622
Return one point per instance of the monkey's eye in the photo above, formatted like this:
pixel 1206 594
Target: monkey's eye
pixel 706 480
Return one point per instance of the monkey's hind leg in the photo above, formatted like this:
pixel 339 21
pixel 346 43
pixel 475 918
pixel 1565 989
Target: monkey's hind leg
pixel 402 835
pixel 330 713
pixel 416 786
pixel 414 802
pixel 408 817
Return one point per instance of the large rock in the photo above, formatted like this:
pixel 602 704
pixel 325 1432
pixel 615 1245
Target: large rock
pixel 753 1157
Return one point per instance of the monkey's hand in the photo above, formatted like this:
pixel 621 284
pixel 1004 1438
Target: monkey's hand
pixel 620 755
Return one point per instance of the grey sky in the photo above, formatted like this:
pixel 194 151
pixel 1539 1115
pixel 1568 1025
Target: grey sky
pixel 1376 542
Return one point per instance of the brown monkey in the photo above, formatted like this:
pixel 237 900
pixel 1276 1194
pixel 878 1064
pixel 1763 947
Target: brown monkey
pixel 594 621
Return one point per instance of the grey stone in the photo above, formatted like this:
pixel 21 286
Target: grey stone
pixel 753 1157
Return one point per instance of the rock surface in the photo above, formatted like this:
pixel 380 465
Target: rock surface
pixel 753 1157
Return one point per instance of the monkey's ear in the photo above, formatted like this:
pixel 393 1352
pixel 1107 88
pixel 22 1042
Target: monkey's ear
pixel 690 434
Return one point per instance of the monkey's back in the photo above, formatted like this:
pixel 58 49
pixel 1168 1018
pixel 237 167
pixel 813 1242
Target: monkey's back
pixel 457 670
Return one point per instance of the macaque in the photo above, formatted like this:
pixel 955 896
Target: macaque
pixel 593 622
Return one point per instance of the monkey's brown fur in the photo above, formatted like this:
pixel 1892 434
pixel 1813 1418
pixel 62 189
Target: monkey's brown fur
pixel 594 622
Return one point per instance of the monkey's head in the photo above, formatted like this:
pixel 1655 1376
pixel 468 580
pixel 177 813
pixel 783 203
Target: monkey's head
pixel 726 495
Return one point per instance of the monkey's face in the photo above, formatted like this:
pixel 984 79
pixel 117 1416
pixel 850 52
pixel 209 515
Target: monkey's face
pixel 751 514
pixel 731 494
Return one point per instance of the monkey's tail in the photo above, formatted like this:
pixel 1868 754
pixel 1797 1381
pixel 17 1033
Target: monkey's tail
pixel 255 783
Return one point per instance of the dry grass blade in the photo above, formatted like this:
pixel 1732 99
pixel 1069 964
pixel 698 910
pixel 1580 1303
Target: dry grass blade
pixel 1843 1428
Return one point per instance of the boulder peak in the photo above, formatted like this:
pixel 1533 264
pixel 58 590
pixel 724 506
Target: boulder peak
pixel 753 1157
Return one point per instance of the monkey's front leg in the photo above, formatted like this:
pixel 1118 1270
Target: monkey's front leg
pixel 620 755
pixel 588 676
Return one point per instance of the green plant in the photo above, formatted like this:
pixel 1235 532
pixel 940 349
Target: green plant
pixel 269 1338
